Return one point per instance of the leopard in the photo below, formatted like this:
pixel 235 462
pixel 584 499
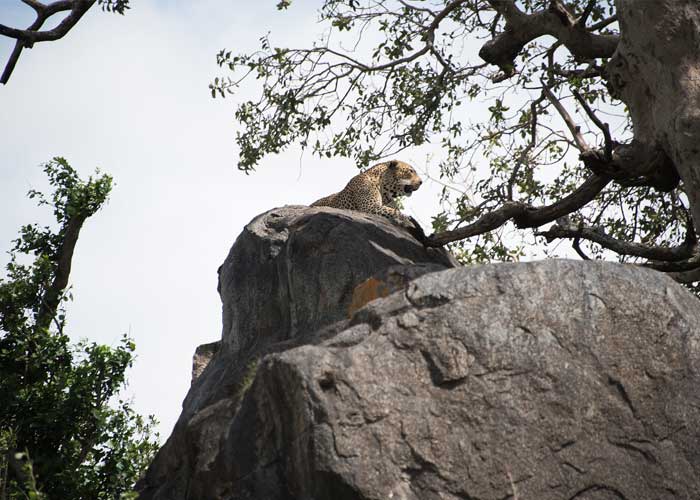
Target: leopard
pixel 376 191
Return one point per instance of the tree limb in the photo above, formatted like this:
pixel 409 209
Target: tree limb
pixel 686 277
pixel 429 36
pixel 523 215
pixel 678 267
pixel 556 21
pixel 562 229
pixel 27 37
pixel 634 164
pixel 52 296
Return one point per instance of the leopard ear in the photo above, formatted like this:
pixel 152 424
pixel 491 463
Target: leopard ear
pixel 393 164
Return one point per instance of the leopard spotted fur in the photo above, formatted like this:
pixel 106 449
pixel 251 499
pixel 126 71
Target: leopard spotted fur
pixel 375 191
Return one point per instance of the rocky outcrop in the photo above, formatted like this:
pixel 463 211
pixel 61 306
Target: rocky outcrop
pixel 291 272
pixel 547 380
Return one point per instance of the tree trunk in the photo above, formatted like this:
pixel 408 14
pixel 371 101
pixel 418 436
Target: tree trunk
pixel 656 72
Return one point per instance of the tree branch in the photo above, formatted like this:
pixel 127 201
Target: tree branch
pixel 27 37
pixel 575 130
pixel 577 247
pixel 681 266
pixel 556 21
pixel 604 127
pixel 523 215
pixel 52 296
pixel 429 36
pixel 686 277
pixel 586 12
pixel 634 164
pixel 562 229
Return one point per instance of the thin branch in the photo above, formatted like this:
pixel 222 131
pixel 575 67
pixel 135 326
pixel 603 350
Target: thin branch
pixel 586 12
pixel 418 9
pixel 576 245
pixel 522 157
pixel 429 36
pixel 592 71
pixel 604 127
pixel 573 128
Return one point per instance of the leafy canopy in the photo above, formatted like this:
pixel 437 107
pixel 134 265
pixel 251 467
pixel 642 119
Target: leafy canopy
pixel 514 96
pixel 64 433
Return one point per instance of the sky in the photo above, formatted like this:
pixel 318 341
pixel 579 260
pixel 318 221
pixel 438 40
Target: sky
pixel 130 95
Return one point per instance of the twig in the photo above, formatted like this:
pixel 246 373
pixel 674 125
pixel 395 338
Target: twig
pixel 573 128
pixel 604 127
pixel 586 12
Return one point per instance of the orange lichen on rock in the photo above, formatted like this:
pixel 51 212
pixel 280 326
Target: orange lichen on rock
pixel 366 292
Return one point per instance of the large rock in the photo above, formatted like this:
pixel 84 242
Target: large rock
pixel 547 380
pixel 292 271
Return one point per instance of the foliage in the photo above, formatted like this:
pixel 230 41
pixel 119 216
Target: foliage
pixel 59 407
pixel 118 6
pixel 396 74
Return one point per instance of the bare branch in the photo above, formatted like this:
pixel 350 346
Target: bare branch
pixel 573 128
pixel 576 245
pixel 30 36
pixel 634 164
pixel 586 12
pixel 27 38
pixel 12 62
pixel 37 6
pixel 428 35
pixel 602 24
pixel 418 9
pixel 604 127
pixel 523 156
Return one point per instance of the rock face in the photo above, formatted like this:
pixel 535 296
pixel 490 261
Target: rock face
pixel 546 380
pixel 292 271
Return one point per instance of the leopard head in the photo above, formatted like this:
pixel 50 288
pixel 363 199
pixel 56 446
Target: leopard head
pixel 400 179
